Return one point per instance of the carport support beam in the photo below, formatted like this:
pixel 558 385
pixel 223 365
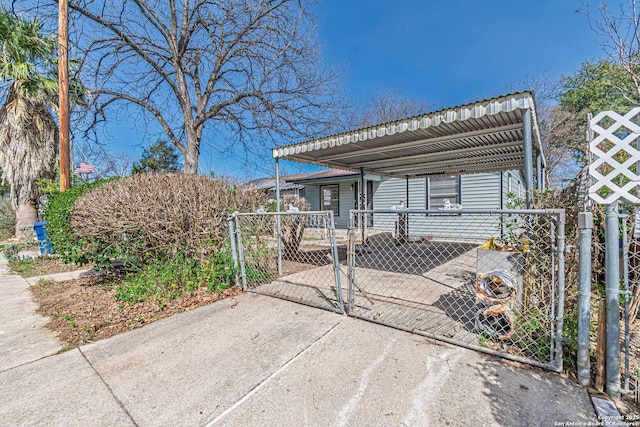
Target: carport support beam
pixel 407 191
pixel 362 205
pixel 361 196
pixel 528 157
pixel 278 222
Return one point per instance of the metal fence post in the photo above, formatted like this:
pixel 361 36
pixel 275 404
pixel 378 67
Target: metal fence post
pixel 560 308
pixel 336 261
pixel 625 281
pixel 612 254
pixel 243 272
pixel 585 225
pixel 351 254
pixel 234 253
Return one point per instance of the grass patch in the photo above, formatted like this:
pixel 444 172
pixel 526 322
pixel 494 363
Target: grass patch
pixel 39 266
pixel 166 281
pixel 24 267
pixel 63 349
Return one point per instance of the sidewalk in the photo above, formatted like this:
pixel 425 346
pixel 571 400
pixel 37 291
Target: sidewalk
pixel 23 337
pixel 256 360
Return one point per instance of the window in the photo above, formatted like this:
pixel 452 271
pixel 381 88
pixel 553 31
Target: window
pixel 443 188
pixel 329 198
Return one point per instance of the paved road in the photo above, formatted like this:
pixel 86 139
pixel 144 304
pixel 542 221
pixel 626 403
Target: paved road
pixel 258 361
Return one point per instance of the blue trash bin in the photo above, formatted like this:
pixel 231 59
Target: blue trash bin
pixel 41 234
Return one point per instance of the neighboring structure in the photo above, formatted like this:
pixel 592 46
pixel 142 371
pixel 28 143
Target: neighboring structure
pixel 268 185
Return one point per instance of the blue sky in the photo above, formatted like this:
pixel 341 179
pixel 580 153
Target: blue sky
pixel 441 51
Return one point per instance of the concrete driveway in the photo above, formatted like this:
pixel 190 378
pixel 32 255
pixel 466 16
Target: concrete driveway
pixel 260 361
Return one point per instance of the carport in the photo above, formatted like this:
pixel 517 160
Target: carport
pixel 497 134
pixel 419 270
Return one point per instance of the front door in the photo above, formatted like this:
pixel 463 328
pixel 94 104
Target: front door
pixel 368 197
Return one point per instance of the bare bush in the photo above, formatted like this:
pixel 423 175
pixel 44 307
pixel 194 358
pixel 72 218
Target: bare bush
pixel 150 216
pixel 293 226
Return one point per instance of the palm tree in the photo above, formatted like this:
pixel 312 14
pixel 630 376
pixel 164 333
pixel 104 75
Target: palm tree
pixel 28 131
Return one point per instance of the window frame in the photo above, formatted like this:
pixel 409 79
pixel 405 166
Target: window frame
pixel 458 194
pixel 336 211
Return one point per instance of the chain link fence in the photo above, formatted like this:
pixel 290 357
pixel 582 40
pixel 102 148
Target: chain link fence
pixel 629 232
pixel 487 280
pixel 289 255
pixel 630 293
pixel 491 281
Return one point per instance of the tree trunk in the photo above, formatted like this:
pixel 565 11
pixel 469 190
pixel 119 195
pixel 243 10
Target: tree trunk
pixel 26 215
pixel 193 152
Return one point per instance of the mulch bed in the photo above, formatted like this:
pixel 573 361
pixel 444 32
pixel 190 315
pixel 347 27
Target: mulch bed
pixel 85 310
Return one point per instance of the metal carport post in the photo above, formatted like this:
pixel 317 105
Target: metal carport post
pixel 528 156
pixel 278 222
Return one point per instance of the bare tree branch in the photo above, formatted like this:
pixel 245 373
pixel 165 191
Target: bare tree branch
pixel 561 131
pixel 386 106
pixel 244 69
pixel 621 35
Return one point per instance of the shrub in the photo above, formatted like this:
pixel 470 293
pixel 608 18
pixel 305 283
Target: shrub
pixel 165 281
pixel 293 226
pixel 11 252
pixel 146 218
pixel 57 212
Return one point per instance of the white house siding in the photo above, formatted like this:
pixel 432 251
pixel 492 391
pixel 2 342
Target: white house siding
pixel 478 191
pixel 346 200
pixel 512 182
pixel 392 191
pixel 312 194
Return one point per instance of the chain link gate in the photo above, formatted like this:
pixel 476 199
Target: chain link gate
pixel 289 255
pixel 492 281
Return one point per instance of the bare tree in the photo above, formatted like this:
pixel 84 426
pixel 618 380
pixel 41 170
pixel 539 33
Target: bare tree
pixel 106 164
pixel 561 131
pixel 620 29
pixel 545 86
pixel 564 143
pixel 386 106
pixel 116 164
pixel 248 70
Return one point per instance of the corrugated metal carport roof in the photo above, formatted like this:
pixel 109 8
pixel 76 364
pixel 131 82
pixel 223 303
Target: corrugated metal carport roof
pixel 485 136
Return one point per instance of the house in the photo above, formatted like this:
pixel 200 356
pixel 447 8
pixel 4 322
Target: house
pixel 337 191
pixel 471 155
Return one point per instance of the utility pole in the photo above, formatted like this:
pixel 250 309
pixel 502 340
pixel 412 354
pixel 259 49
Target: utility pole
pixel 63 92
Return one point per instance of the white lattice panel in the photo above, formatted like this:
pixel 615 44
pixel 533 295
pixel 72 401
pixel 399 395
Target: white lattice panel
pixel 615 157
